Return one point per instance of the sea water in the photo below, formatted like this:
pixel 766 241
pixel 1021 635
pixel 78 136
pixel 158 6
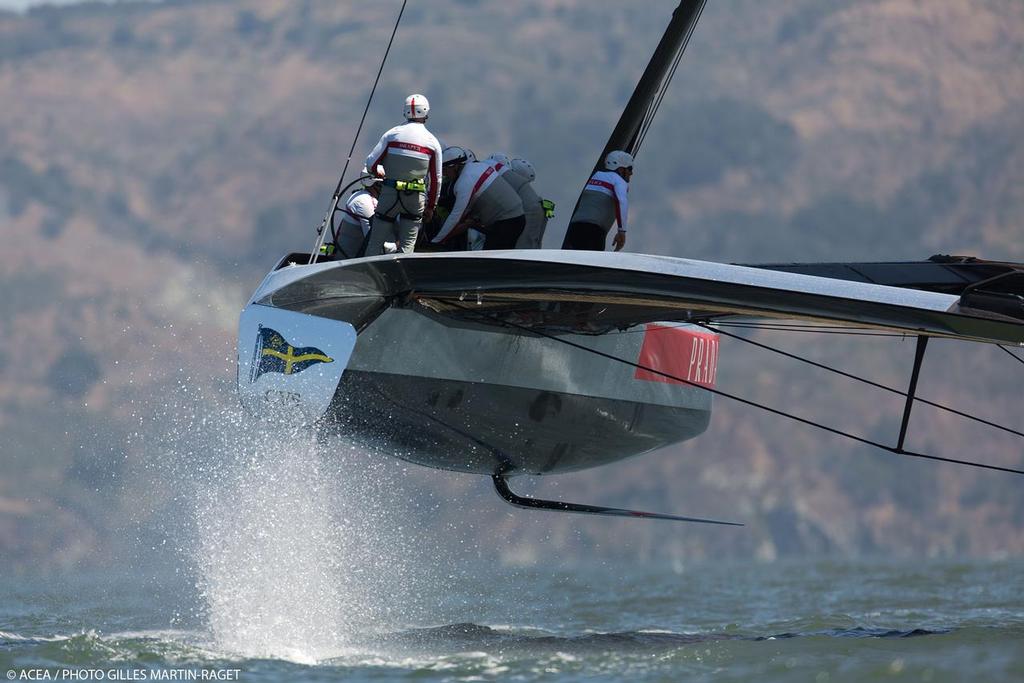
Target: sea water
pixel 273 556
pixel 784 621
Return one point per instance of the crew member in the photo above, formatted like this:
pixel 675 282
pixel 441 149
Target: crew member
pixel 520 177
pixel 603 202
pixel 483 201
pixel 502 163
pixel 411 159
pixel 354 225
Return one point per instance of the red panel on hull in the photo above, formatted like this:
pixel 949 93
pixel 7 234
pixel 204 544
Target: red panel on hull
pixel 686 353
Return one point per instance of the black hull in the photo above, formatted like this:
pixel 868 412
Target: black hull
pixel 486 428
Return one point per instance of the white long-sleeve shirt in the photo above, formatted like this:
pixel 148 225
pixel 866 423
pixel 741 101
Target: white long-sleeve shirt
pixel 500 167
pixel 604 201
pixel 536 220
pixel 355 222
pixel 359 210
pixel 481 191
pixel 410 152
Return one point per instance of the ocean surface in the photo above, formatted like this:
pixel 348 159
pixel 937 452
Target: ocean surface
pixel 782 621
pixel 261 556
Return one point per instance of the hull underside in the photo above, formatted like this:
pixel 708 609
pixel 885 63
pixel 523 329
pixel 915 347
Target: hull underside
pixel 486 428
pixel 488 400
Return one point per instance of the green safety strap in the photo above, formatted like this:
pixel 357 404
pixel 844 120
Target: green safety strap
pixel 549 208
pixel 411 185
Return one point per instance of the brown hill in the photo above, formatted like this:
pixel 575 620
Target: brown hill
pixel 155 159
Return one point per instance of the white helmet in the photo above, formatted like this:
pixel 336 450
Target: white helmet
pixel 499 158
pixel 456 155
pixel 618 159
pixel 416 107
pixel 524 168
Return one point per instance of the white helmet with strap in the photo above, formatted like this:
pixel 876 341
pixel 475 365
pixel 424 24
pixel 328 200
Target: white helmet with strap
pixel 499 158
pixel 524 168
pixel 416 107
pixel 618 159
pixel 456 155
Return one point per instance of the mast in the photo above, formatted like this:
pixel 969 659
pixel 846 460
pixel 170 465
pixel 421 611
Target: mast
pixel 643 104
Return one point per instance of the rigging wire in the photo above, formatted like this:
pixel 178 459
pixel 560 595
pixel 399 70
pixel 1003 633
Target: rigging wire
pixel 811 327
pixel 739 399
pixel 649 118
pixel 862 379
pixel 824 329
pixel 850 332
pixel 653 110
pixel 782 327
pixel 799 325
pixel 329 217
pixel 1012 354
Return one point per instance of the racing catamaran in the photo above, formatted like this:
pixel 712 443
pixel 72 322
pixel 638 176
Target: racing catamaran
pixel 502 363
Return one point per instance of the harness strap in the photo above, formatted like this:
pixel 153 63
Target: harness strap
pixel 406 185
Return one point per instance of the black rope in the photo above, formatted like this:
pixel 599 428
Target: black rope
pixel 359 129
pixel 1012 354
pixel 740 399
pixel 333 226
pixel 869 382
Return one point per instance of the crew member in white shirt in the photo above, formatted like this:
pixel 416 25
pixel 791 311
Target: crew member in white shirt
pixel 604 201
pixel 484 201
pixel 411 158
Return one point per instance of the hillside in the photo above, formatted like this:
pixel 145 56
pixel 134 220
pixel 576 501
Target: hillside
pixel 156 159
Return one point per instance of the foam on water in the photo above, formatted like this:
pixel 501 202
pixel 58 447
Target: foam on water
pixel 298 547
pixel 270 565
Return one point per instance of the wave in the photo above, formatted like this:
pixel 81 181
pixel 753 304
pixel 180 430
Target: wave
pixel 466 639
pixel 476 637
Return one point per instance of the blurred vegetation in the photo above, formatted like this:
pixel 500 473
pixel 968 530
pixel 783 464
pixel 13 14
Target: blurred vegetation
pixel 157 158
pixel 718 135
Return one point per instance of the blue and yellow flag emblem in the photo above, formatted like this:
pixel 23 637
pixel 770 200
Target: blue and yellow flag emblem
pixel 275 354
